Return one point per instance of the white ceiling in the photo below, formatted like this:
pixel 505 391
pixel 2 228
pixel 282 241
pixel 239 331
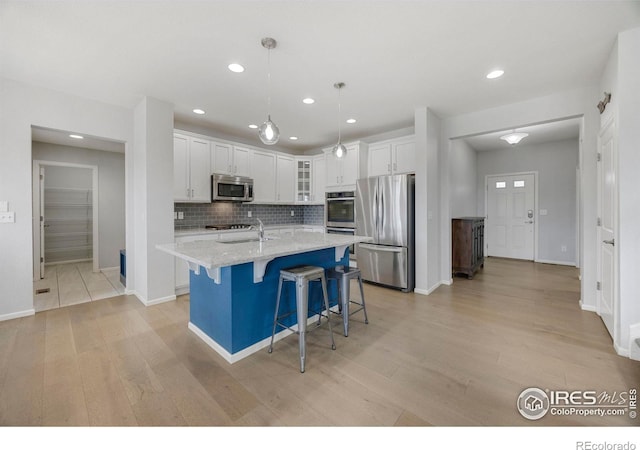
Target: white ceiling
pixel 392 55
pixel 59 137
pixel 538 134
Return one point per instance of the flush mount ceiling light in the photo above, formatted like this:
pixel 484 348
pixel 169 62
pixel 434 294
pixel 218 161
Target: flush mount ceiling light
pixel 268 131
pixel 198 111
pixel 513 138
pixel 339 150
pixel 308 101
pixel 76 136
pixel 235 67
pixel 495 74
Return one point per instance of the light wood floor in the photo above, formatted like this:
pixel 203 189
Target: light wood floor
pixel 460 356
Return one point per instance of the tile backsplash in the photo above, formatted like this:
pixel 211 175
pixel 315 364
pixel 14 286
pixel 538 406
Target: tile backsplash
pixel 201 214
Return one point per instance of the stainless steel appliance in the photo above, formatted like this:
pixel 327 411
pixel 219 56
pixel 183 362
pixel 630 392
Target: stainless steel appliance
pixel 350 231
pixel 340 209
pixel 230 188
pixel 385 209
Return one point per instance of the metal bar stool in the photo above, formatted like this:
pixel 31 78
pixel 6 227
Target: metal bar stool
pixel 343 275
pixel 302 276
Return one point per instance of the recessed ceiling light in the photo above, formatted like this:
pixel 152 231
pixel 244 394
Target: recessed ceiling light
pixel 198 111
pixel 293 138
pixel 308 101
pixel 254 126
pixel 235 67
pixel 351 120
pixel 76 136
pixel 495 74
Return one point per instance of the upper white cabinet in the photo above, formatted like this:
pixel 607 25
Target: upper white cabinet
pixel 343 172
pixel 286 179
pixel 310 179
pixel 318 178
pixel 263 169
pixel 392 157
pixel 191 176
pixel 229 159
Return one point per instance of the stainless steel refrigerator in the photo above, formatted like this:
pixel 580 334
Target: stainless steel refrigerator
pixel 385 212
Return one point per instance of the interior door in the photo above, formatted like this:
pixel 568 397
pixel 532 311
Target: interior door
pixel 511 216
pixel 606 295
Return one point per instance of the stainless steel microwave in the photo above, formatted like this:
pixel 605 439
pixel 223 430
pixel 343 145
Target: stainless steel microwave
pixel 230 188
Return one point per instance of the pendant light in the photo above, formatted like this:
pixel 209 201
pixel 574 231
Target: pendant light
pixel 339 150
pixel 513 138
pixel 268 131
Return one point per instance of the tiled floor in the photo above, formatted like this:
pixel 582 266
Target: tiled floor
pixel 70 284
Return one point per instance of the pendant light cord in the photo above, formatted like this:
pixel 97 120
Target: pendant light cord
pixel 339 114
pixel 269 83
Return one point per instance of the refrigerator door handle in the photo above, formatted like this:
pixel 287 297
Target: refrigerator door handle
pixel 378 248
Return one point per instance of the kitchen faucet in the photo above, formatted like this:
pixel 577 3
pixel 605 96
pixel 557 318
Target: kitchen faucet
pixel 260 230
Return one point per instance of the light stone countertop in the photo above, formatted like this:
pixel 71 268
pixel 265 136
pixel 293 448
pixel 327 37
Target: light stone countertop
pixel 212 254
pixel 199 231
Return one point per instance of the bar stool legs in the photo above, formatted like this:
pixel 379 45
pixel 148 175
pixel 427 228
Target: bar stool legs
pixel 302 276
pixel 343 277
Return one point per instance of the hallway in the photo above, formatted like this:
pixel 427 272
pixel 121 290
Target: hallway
pixel 70 284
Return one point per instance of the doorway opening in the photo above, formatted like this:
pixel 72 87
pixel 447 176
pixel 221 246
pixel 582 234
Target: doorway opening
pixel 79 219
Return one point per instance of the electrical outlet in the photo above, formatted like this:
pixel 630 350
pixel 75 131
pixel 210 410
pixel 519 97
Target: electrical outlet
pixel 8 217
pixel 175 215
pixel 180 215
pixel 292 213
pixel 248 213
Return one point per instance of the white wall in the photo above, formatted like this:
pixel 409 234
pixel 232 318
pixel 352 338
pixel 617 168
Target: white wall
pixel 562 105
pixel 556 164
pixel 111 200
pixel 628 236
pixel 463 162
pixel 22 106
pixel 428 214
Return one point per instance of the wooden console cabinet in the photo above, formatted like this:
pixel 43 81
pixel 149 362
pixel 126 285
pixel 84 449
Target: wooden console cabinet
pixel 467 236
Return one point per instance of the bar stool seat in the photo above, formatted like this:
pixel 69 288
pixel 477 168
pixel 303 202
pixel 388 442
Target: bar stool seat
pixel 343 275
pixel 302 276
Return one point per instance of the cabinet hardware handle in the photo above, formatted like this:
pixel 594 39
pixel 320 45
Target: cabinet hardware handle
pixel 388 167
pixel 235 169
pixel 610 242
pixel 395 166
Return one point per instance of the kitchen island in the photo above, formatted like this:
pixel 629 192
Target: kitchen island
pixel 233 284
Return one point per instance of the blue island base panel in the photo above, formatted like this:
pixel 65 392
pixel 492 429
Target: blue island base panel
pixel 238 313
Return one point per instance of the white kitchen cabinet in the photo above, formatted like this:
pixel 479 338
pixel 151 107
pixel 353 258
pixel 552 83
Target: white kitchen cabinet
pixel 286 179
pixel 263 170
pixel 191 176
pixel 391 157
pixel 343 172
pixel 318 179
pixel 229 159
pixel 304 180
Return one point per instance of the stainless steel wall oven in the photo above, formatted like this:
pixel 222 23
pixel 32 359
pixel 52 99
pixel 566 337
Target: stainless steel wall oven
pixel 340 215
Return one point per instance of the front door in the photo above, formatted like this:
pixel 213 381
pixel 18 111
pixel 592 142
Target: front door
pixel 511 216
pixel 606 295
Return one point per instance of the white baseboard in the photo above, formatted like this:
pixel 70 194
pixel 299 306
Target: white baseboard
pixel 559 263
pixel 622 351
pixel 17 315
pixel 235 357
pixel 182 290
pixel 155 301
pixel 430 290
pixel 584 307
pixel 110 269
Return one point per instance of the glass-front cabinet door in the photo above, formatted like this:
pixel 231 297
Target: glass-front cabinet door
pixel 303 180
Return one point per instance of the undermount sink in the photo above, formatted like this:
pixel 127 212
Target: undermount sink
pixel 242 241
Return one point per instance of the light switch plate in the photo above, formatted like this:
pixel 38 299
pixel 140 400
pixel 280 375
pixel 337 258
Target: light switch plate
pixel 180 215
pixel 8 217
pixel 543 212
